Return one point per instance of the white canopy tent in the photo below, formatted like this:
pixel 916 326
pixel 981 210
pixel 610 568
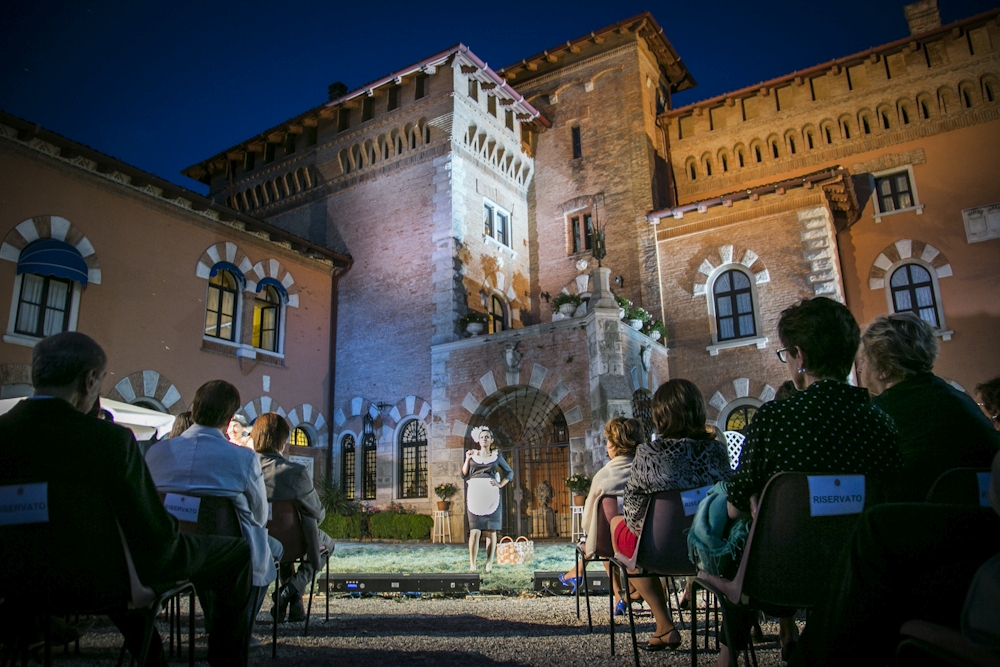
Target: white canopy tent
pixel 143 422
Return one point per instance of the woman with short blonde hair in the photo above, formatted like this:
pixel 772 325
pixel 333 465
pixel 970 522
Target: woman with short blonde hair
pixel 940 427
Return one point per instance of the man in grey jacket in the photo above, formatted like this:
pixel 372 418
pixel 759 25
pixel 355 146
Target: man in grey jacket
pixel 285 480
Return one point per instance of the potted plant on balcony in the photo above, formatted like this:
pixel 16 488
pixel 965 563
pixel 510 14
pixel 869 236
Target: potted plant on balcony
pixel 579 486
pixel 472 322
pixel 655 329
pixel 565 303
pixel 623 306
pixel 445 492
pixel 636 316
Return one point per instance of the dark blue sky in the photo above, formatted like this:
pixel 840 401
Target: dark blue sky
pixel 162 85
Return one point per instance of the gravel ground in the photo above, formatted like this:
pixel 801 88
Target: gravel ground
pixel 471 632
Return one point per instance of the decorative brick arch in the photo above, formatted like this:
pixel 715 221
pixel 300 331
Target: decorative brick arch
pixel 498 282
pixel 223 252
pixel 349 416
pixel 259 406
pixel 902 250
pixel 537 376
pixel 150 385
pixel 51 227
pixel 272 268
pixel 742 390
pixel 727 256
pixel 411 407
pixel 311 419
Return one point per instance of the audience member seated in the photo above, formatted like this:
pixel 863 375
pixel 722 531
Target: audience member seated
pixel 238 430
pixel 182 422
pixel 989 394
pixel 909 561
pixel 203 462
pixel 50 437
pixel 939 427
pixel 285 480
pixel 827 426
pixel 683 456
pixel 621 436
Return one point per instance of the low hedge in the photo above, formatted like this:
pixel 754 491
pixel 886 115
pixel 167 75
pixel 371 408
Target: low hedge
pixel 393 526
pixel 342 527
pixel 378 525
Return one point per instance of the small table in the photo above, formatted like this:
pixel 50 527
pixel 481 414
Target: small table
pixel 577 523
pixel 442 526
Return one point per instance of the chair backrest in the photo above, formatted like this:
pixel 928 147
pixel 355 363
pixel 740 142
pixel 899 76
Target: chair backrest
pixel 960 486
pixel 663 546
pixel 608 510
pixel 216 516
pixel 36 568
pixel 734 445
pixel 789 553
pixel 285 525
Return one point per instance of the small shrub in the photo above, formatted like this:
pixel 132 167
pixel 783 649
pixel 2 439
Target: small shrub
pixel 445 491
pixel 563 298
pixel 396 526
pixel 334 499
pixel 342 527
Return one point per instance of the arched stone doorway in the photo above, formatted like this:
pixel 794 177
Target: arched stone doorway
pixel 532 434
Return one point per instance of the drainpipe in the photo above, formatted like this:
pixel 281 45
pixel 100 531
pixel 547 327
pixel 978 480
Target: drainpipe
pixel 331 402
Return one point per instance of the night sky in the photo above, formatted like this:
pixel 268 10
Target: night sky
pixel 162 85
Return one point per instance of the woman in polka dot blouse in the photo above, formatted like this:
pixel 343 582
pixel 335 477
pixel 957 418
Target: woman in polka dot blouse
pixel 828 426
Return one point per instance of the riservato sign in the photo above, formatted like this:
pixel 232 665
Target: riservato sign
pixel 833 495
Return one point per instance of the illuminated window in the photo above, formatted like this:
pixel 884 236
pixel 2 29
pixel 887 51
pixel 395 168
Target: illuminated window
pixel 266 318
pixel 496 223
pixel 300 438
pixel 369 459
pixel 740 418
pixel 497 315
pixel 413 460
pixel 220 308
pixel 581 228
pixel 347 465
pixel 894 192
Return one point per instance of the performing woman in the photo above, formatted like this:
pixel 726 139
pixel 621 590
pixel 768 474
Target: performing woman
pixel 483 482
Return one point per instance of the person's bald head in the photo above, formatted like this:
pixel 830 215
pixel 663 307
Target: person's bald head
pixel 70 365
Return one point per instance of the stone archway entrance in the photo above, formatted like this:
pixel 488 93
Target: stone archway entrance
pixel 531 432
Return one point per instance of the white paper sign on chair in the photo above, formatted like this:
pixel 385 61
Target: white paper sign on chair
pixel 185 508
pixel 24 503
pixel 833 495
pixel 692 498
pixel 985 480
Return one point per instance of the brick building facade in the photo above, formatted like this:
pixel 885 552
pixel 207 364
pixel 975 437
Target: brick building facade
pixel 447 188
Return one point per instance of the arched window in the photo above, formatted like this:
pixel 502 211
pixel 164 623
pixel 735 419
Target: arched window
pixel 642 409
pixel 739 418
pixel 497 315
pixel 369 459
pixel 300 438
pixel 413 460
pixel 221 305
pixel 733 298
pixel 347 473
pixel 266 319
pixel 913 291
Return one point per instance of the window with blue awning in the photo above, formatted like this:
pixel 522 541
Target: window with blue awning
pixel 51 257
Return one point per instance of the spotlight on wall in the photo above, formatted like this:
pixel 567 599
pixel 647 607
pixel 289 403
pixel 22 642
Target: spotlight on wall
pixel 546 296
pixel 619 281
pixel 483 297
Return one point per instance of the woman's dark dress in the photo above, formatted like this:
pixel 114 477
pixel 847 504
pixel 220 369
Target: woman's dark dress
pixel 482 501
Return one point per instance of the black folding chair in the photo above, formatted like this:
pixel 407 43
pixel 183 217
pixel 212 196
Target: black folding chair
pixel 960 486
pixel 287 526
pixel 661 550
pixel 788 555
pixel 37 581
pixel 603 551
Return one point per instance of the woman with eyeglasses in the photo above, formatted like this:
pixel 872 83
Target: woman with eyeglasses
pixel 940 427
pixel 827 426
pixel 989 394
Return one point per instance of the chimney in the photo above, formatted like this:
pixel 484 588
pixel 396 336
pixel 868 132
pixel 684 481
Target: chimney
pixel 339 88
pixel 922 16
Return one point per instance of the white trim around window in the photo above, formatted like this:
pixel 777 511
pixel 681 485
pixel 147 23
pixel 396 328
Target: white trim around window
pixel 501 225
pixel 916 206
pixel 758 340
pixel 941 330
pixel 14 338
